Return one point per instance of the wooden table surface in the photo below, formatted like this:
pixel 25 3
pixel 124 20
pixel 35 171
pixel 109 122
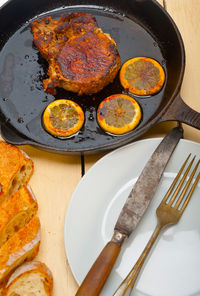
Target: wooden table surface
pixel 56 176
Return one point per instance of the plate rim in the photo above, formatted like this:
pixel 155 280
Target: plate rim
pixel 90 170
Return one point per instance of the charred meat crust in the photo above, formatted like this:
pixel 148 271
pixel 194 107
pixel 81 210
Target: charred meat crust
pixel 50 35
pixel 81 57
pixel 86 56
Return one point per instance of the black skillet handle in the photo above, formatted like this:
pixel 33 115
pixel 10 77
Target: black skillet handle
pixel 2 119
pixel 11 136
pixel 180 111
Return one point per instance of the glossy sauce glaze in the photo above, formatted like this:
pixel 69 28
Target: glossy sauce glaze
pixel 22 68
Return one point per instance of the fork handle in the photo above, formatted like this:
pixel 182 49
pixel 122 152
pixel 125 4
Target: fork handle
pixel 128 283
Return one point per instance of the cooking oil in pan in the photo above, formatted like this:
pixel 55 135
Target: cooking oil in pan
pixel 27 99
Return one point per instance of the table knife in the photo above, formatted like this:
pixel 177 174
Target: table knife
pixel 131 213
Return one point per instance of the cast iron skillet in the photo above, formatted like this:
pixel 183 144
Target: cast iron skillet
pixel 140 28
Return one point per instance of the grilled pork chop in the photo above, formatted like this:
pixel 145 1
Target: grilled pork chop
pixel 81 57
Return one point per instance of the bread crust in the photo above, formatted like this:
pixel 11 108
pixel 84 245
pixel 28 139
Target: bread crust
pixel 16 212
pixel 22 246
pixel 13 164
pixel 27 268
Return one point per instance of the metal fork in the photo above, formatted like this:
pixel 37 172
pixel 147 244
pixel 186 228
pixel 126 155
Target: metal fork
pixel 168 212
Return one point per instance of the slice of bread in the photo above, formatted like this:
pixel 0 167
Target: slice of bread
pixel 16 212
pixel 31 278
pixel 15 170
pixel 22 246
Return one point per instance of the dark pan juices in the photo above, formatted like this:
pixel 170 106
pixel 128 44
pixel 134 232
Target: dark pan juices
pixel 22 70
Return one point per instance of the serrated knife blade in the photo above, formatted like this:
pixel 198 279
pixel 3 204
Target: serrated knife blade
pixel 131 213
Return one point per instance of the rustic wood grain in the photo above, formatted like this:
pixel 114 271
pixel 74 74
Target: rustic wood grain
pixel 56 176
pixel 53 182
pixel 186 16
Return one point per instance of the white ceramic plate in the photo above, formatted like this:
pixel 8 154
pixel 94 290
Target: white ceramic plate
pixel 173 267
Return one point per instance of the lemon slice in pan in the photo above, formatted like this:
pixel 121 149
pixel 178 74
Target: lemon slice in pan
pixel 63 118
pixel 118 114
pixel 142 76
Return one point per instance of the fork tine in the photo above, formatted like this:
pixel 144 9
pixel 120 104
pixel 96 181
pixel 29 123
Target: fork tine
pixel 186 186
pixel 177 190
pixel 166 215
pixel 190 194
pixel 175 180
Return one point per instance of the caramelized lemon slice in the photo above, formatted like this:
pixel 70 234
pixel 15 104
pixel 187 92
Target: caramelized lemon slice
pixel 142 76
pixel 63 118
pixel 118 114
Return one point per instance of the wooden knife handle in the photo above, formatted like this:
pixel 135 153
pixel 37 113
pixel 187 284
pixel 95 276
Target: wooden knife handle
pixel 100 270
